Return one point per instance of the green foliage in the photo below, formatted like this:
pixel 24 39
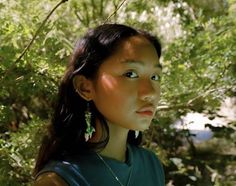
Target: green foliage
pixel 199 71
pixel 18 151
pixel 207 54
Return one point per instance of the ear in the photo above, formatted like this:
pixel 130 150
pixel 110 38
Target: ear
pixel 83 86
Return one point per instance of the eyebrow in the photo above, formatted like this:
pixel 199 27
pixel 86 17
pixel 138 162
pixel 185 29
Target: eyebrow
pixel 133 62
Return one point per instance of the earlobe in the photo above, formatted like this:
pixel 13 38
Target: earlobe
pixel 83 87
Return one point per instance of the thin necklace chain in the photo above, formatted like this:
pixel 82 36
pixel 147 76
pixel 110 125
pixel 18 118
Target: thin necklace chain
pixel 112 172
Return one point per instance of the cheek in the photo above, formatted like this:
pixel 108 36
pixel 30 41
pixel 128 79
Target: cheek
pixel 107 92
pixel 107 88
pixel 112 97
pixel 115 88
pixel 111 106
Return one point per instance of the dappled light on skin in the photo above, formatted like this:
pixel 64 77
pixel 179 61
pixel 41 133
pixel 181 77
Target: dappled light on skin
pixel 142 44
pixel 125 91
pixel 108 82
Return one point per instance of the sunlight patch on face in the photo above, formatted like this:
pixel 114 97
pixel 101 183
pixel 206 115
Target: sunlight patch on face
pixel 108 82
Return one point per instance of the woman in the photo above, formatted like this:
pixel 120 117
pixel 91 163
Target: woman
pixel 109 93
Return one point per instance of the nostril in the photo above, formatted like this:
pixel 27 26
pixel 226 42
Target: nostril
pixel 148 91
pixel 154 99
pixel 149 98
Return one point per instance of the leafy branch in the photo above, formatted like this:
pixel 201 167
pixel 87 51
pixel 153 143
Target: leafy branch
pixel 206 91
pixel 190 103
pixel 39 30
pixel 33 39
pixel 46 19
pixel 114 12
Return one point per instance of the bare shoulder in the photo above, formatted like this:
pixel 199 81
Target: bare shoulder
pixel 50 179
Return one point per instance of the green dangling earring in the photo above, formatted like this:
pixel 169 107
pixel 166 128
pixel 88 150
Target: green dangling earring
pixel 90 129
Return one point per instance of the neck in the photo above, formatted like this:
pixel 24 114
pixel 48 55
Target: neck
pixel 117 144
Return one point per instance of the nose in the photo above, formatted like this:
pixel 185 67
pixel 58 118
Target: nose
pixel 149 92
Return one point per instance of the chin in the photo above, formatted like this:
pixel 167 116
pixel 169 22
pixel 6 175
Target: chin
pixel 143 127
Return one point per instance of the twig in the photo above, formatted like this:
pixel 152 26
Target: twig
pixel 189 104
pixel 32 40
pixel 38 31
pixel 114 12
pixel 79 17
pixel 172 107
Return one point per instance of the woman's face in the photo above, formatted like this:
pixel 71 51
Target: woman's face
pixel 127 88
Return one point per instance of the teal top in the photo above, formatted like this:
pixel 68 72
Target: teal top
pixel 142 168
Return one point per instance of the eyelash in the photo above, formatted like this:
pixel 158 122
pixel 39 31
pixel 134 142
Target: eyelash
pixel 158 77
pixel 128 75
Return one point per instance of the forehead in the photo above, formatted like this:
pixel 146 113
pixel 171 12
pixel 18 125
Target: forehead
pixel 135 48
pixel 134 43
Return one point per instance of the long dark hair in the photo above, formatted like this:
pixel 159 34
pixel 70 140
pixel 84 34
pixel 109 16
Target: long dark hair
pixel 66 132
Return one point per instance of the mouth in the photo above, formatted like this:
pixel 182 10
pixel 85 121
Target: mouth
pixel 146 111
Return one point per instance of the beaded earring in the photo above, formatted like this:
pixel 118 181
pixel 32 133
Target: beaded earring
pixel 90 129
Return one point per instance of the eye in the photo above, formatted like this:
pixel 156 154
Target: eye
pixel 156 77
pixel 131 74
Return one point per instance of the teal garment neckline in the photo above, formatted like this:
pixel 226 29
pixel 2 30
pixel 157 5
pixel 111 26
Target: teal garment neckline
pixel 88 165
pixel 129 158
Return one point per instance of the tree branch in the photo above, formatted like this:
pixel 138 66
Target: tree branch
pixel 79 17
pixel 173 107
pixel 114 12
pixel 32 40
pixel 189 104
pixel 38 31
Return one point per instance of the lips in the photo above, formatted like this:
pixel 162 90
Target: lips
pixel 146 110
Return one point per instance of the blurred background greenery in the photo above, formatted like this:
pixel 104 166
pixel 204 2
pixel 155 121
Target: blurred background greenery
pixel 199 60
